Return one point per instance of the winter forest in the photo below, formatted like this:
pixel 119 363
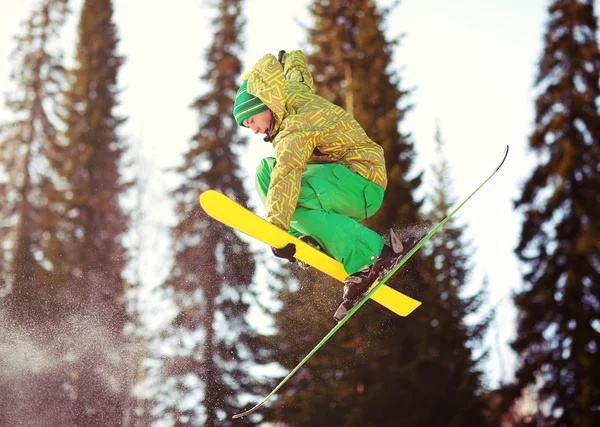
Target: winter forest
pixel 91 335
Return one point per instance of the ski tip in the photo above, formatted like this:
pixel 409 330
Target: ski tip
pixel 503 157
pixel 206 195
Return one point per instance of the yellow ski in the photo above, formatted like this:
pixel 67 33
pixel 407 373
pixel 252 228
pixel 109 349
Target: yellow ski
pixel 230 213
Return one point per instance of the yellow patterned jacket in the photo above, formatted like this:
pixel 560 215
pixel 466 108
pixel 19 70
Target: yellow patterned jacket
pixel 306 129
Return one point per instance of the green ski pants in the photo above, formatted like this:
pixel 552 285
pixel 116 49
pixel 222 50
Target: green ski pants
pixel 331 202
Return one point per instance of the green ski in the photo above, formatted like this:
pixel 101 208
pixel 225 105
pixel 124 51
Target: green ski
pixel 370 293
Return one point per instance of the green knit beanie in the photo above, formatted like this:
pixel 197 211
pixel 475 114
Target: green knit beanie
pixel 246 105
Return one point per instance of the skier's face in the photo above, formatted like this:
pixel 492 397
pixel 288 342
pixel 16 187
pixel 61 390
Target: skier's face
pixel 259 123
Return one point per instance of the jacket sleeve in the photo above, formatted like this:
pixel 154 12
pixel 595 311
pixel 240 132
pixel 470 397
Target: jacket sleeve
pixel 296 70
pixel 291 155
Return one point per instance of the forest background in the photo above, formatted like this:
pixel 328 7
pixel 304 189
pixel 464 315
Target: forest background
pixel 459 85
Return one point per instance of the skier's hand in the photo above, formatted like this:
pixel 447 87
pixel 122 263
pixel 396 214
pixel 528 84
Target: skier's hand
pixel 287 252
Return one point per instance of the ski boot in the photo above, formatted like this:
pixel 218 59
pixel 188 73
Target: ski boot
pixel 358 284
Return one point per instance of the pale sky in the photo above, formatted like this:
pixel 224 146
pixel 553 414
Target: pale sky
pixel 472 64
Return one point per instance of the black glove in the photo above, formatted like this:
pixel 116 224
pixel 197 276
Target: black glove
pixel 287 252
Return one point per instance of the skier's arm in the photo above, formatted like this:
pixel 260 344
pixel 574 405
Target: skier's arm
pixel 291 154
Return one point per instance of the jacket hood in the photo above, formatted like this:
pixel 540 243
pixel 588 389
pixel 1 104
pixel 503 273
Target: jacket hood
pixel 266 81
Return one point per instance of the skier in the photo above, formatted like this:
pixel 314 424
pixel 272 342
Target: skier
pixel 326 174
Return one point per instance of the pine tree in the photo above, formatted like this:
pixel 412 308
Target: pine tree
pixel 351 62
pixel 557 335
pixel 76 386
pixel 30 276
pixel 213 267
pixel 350 59
pixel 450 336
pixel 147 241
pixel 30 217
pixel 100 375
pixel 379 369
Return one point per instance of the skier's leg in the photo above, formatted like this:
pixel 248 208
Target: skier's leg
pixel 331 202
pixel 341 191
pixel 332 199
pixel 352 244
